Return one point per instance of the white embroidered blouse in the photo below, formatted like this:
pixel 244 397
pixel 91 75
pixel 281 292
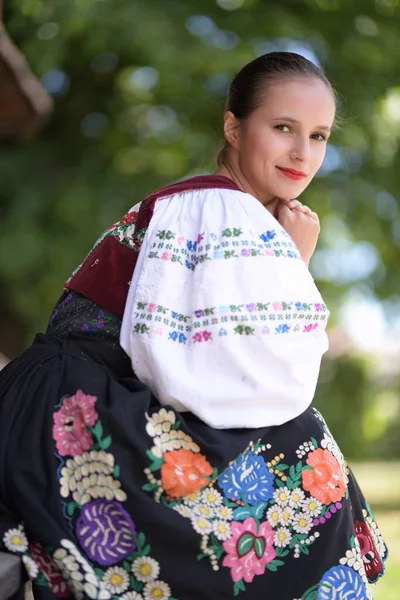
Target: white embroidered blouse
pixel 223 318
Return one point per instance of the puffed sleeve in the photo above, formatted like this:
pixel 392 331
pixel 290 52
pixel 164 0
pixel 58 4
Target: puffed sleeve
pixel 223 318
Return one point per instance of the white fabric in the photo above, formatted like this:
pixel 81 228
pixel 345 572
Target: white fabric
pixel 223 317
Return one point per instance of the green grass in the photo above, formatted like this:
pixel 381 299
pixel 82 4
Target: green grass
pixel 380 483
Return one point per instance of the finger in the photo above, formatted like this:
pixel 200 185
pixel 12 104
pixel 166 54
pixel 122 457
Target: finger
pixel 294 203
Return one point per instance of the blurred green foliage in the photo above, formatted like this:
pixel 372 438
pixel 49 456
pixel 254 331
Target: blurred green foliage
pixel 139 87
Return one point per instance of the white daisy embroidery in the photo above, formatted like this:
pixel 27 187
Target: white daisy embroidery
pixel 286 515
pixel 296 497
pixel 282 537
pixel 282 496
pixel 274 515
pixel 311 506
pixel 116 580
pixel 156 590
pixel 31 567
pixel 145 569
pixel 15 540
pixel 202 525
pixel 302 523
pixel 222 530
pixel 211 497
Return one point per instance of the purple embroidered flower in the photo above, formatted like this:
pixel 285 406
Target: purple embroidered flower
pixel 251 307
pixel 245 252
pixel 106 532
pixel 199 313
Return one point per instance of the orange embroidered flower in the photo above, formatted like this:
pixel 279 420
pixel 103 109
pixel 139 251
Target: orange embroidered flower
pixel 184 472
pixel 325 480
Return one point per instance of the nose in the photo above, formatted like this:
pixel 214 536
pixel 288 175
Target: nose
pixel 300 151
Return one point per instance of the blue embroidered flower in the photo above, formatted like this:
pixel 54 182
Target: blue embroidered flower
pixel 268 235
pixel 342 582
pixel 247 479
pixel 191 245
pixel 282 329
pixel 218 254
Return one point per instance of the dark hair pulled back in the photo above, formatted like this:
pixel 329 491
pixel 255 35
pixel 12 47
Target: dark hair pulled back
pixel 247 89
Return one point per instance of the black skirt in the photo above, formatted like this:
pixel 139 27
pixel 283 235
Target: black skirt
pixel 105 494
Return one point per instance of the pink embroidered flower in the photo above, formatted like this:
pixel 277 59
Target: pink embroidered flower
pixel 200 238
pixel 54 579
pixel 249 550
pixel 318 306
pixel 198 337
pixel 151 307
pixel 71 422
pixel 166 256
pixel 269 252
pixel 181 240
pixel 207 335
pixel 277 305
pixel 310 327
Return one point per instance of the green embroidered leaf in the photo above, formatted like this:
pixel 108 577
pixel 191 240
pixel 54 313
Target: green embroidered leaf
pixel 245 544
pixel 156 462
pixel 292 472
pixel 271 566
pixel 258 511
pixel 279 483
pixel 259 546
pixel 281 551
pixel 201 556
pixel 106 442
pixel 136 585
pixel 97 430
pixel 116 471
pixel 149 487
pixel 100 572
pixel 125 564
pixel 241 513
pixel 176 425
pixel 299 466
pixel 304 549
pixel 307 468
pixel 146 550
pixel 239 587
pixel 41 580
pixel 314 442
pixel 140 540
pixel 282 467
pixel 71 508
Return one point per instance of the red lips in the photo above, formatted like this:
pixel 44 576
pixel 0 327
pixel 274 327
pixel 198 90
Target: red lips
pixel 292 173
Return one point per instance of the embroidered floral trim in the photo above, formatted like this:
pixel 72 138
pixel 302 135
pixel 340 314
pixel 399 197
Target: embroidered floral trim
pixel 224 245
pixel 254 513
pixel 234 319
pixel 116 557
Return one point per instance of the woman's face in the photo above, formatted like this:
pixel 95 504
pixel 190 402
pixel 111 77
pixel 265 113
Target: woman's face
pixel 281 145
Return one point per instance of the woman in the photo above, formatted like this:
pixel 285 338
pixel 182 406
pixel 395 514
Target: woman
pixel 159 441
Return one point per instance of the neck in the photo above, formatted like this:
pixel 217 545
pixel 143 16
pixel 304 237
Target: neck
pixel 231 169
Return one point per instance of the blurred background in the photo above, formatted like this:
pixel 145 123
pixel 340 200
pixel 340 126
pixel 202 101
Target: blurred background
pixel 102 102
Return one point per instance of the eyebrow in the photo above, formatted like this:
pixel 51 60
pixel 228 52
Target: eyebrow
pixel 291 120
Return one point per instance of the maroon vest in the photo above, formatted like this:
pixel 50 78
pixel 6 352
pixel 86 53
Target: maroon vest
pixel 105 275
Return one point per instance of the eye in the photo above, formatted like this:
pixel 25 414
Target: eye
pixel 320 137
pixel 284 128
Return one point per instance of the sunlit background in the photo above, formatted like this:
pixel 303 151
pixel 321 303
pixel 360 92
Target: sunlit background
pixel 129 96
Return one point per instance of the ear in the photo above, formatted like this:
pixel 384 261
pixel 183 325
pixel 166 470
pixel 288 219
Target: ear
pixel 231 129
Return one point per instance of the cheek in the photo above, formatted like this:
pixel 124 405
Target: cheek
pixel 318 158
